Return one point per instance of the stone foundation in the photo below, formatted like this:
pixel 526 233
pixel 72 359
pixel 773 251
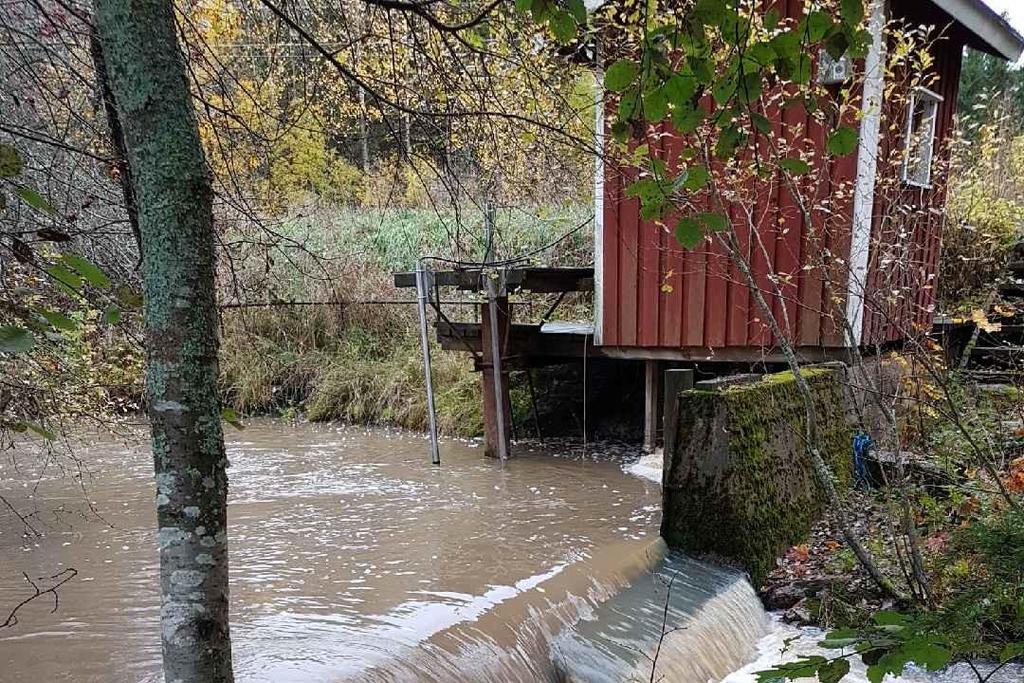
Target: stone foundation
pixel 738 484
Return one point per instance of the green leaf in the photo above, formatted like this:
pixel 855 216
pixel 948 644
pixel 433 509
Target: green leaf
pixel 15 339
pixel 655 105
pixel 795 166
pixel 818 25
pixel 724 89
pixel 578 11
pixel 687 119
pixel 852 12
pixel 709 12
pixel 833 671
pixel 40 430
pixel 701 68
pixel 563 25
pixel 1011 651
pixel 771 19
pixel 643 189
pixel 10 161
pixel 800 668
pixel 228 414
pixel 838 643
pixel 64 278
pixel 750 87
pixel 761 123
pixel 728 140
pixel 689 232
pixel 761 54
pixel 680 88
pixel 801 70
pixel 34 199
pixel 890 618
pixel 111 315
pixel 787 45
pixel 876 672
pixel 621 75
pixel 87 269
pixel 696 178
pixel 716 222
pixel 628 105
pixel 59 320
pixel 928 655
pixel 842 141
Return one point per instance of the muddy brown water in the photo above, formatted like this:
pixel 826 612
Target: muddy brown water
pixel 352 558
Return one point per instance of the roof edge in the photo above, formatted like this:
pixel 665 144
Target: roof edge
pixel 988 26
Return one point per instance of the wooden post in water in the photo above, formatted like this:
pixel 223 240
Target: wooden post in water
pixel 494 382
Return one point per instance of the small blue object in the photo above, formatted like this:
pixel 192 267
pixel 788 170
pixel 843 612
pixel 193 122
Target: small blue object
pixel 861 447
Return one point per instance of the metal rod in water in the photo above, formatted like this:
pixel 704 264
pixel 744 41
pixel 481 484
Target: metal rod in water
pixel 499 406
pixel 421 305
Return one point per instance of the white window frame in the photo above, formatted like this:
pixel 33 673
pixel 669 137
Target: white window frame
pixel 934 99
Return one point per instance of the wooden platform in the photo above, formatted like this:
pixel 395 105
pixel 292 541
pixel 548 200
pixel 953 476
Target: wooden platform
pixel 538 280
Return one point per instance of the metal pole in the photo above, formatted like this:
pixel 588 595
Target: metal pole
pixel 421 305
pixel 499 404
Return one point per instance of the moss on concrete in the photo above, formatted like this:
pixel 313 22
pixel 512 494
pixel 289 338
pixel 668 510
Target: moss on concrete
pixel 740 484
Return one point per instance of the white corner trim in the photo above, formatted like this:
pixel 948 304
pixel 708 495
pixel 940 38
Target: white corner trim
pixel 867 172
pixel 598 200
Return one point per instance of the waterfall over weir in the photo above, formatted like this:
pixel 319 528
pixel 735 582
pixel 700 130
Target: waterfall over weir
pixel 601 620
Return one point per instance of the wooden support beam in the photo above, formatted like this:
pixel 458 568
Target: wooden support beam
pixel 492 435
pixel 538 280
pixel 651 385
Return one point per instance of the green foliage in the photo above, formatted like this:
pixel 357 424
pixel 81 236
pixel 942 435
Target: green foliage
pixel 985 211
pixel 886 645
pixel 842 141
pixel 741 59
pixel 361 363
pixel 987 79
pixel 982 587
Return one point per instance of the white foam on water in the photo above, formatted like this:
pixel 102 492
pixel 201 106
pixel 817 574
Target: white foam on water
pixel 787 643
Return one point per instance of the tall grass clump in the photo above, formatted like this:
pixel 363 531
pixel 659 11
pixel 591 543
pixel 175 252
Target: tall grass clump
pixel 356 359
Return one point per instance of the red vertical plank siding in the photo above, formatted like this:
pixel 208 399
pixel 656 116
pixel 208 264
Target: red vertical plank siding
pixel 814 243
pixel 655 294
pixel 629 267
pixel 672 256
pixel 788 259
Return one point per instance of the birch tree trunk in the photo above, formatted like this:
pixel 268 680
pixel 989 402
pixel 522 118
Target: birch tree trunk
pixel 174 198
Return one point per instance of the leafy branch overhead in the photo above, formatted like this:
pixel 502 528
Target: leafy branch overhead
pixel 710 71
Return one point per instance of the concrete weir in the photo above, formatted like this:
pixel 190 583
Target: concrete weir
pixel 738 482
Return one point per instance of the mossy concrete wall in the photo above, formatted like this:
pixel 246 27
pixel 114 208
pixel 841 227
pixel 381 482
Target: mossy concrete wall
pixel 739 482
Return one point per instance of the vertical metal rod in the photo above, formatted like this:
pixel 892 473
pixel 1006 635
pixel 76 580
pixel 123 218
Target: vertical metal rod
pixel 533 400
pixel 499 404
pixel 650 405
pixel 421 305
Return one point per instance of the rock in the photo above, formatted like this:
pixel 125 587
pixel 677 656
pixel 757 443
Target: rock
pixel 802 613
pixel 783 596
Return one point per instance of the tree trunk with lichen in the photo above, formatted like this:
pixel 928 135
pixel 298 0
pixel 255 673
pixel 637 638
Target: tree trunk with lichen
pixel 174 197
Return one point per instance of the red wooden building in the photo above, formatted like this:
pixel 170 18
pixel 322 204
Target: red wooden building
pixel 655 300
pixel 873 259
